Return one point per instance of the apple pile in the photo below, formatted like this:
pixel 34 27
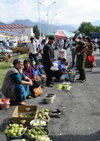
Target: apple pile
pixel 14 130
pixel 43 114
pixel 27 115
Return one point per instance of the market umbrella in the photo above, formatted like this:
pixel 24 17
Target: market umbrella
pixel 69 34
pixel 60 34
pixel 51 34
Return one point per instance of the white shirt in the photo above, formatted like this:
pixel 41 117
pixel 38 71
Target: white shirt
pixel 96 40
pixel 32 48
pixel 41 48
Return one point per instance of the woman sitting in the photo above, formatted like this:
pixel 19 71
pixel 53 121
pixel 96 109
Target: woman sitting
pixel 29 72
pixel 16 83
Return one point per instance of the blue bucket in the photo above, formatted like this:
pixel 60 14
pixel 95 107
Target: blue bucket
pixel 72 77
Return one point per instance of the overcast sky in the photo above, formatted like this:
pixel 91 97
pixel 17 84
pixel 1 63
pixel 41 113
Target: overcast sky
pixel 63 11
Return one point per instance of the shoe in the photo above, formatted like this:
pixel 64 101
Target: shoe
pixel 52 83
pixel 29 97
pixel 22 103
pixel 49 85
pixel 82 81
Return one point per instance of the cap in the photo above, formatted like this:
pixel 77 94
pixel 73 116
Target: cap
pixel 51 37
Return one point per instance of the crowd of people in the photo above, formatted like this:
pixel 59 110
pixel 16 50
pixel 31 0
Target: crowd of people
pixel 24 76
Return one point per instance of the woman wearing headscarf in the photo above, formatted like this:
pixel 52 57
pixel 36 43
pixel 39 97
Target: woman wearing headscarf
pixel 89 52
pixel 16 83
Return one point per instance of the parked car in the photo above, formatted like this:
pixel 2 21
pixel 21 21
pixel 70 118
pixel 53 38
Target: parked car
pixel 12 44
pixel 23 48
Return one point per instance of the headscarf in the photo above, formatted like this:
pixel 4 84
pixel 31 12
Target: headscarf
pixel 17 61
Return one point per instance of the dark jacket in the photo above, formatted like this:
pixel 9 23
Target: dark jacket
pixel 48 55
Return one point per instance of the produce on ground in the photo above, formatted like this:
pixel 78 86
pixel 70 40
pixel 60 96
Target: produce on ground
pixel 38 122
pixel 43 114
pixel 59 86
pixel 37 132
pixel 27 115
pixel 43 139
pixel 14 130
pixel 63 87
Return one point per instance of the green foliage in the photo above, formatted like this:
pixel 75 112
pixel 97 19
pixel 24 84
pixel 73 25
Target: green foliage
pixel 97 29
pixel 86 28
pixel 36 31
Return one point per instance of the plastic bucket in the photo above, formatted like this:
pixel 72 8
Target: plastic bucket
pixel 5 105
pixel 72 77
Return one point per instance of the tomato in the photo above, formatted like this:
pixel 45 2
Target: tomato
pixel 7 99
pixel 3 99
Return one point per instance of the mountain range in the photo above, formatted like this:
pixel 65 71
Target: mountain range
pixel 46 27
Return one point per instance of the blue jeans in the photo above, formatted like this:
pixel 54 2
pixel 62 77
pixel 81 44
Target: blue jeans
pixel 31 56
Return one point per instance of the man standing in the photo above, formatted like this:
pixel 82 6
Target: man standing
pixel 33 51
pixel 81 49
pixel 48 58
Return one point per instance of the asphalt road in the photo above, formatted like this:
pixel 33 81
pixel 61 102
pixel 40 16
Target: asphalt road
pixel 80 120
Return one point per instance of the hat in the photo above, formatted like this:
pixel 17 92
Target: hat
pixel 51 37
pixel 16 61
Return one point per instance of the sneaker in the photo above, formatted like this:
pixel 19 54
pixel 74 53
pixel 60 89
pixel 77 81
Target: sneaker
pixel 82 81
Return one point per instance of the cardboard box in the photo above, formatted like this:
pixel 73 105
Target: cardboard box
pixel 21 110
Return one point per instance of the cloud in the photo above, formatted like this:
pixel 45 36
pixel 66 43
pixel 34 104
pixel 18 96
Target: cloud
pixel 21 9
pixel 68 11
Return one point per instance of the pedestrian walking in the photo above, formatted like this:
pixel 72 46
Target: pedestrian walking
pixel 33 51
pixel 48 58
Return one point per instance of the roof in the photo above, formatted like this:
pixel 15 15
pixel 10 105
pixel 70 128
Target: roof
pixel 10 33
pixel 12 26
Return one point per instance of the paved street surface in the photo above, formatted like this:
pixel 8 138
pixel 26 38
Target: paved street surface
pixel 81 110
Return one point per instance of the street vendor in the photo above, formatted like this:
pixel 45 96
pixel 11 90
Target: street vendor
pixel 16 84
pixel 58 73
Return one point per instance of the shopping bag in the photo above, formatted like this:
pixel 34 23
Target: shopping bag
pixel 91 58
pixel 37 91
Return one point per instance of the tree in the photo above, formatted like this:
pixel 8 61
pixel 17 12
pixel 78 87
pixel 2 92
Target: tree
pixel 86 28
pixel 36 31
pixel 97 29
